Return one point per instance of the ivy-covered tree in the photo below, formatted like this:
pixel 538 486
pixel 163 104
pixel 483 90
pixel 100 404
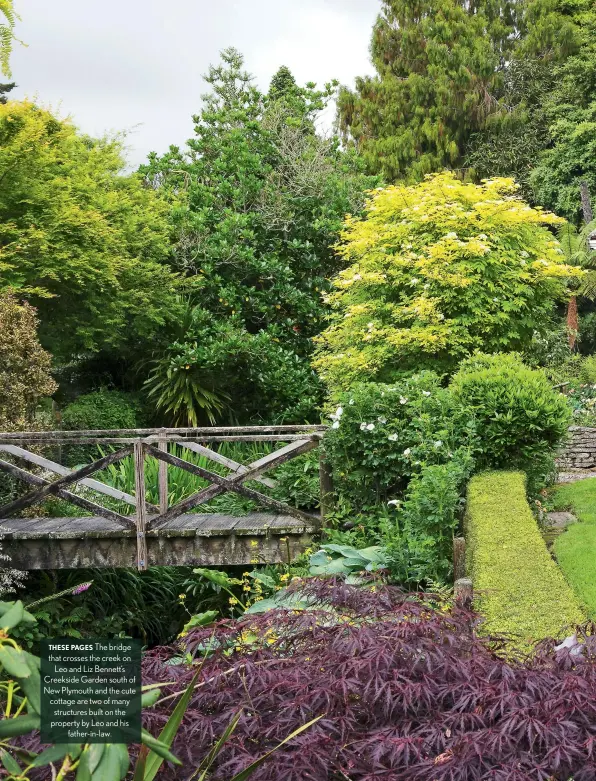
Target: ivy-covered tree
pixel 259 198
pixel 24 366
pixel 84 242
pixel 437 71
pixel 436 271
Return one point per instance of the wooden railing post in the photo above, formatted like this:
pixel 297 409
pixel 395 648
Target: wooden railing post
pixel 463 592
pixel 326 484
pixel 141 511
pixel 459 558
pixel 162 444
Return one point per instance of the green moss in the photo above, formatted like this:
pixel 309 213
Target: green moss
pixel 575 548
pixel 520 590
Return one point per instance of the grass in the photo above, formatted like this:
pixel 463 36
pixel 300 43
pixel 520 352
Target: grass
pixel 521 591
pixel 575 549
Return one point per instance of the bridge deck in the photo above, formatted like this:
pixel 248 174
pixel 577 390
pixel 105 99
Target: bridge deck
pixel 201 539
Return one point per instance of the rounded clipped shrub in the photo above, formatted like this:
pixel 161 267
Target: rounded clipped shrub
pixel 520 419
pixel 102 409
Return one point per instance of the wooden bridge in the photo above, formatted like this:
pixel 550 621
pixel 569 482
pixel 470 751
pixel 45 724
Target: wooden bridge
pixel 155 534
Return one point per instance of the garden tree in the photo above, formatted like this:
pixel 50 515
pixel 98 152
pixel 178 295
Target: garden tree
pixel 4 89
pixel 571 110
pixel 436 63
pixel 436 271
pixel 575 248
pixel 83 241
pixel 24 365
pixel 259 199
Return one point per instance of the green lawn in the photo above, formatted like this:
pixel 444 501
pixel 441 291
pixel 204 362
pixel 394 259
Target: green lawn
pixel 575 549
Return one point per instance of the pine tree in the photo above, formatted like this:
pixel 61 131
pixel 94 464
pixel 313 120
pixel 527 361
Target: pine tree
pixel 437 70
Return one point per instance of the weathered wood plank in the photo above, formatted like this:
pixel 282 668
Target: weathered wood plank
pixel 79 501
pixel 53 487
pixel 162 476
pixel 140 516
pixel 59 469
pixel 236 467
pixel 216 540
pixel 230 484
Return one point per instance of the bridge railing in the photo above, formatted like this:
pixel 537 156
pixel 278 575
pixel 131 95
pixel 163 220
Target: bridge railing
pixel 144 443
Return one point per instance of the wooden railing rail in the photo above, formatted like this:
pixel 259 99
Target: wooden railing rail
pixel 143 443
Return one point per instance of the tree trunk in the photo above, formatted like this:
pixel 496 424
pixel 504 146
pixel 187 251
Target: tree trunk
pixel 572 322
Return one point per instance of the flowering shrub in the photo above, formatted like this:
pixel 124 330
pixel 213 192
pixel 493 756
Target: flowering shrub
pixel 382 435
pixel 435 271
pixel 405 690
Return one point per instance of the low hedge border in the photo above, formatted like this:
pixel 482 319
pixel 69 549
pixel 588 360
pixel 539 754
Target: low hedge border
pixel 518 587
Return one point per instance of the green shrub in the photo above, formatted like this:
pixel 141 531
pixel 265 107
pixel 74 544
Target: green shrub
pixel 519 418
pixel 102 409
pixel 588 370
pixel 383 435
pixel 520 590
pixel 421 548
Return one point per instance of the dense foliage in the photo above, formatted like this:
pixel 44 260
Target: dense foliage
pixel 435 271
pixel 259 199
pixel 436 64
pixel 402 687
pixel 519 418
pixel 24 365
pixel 86 243
pixel 521 590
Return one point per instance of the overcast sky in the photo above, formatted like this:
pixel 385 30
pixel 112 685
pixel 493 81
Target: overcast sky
pixel 136 65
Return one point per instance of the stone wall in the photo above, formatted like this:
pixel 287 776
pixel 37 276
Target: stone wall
pixel 580 450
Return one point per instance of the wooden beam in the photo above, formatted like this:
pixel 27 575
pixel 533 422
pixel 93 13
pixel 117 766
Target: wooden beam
pixel 229 484
pixel 213 455
pixel 463 591
pixel 162 477
pixel 140 517
pixel 52 487
pixel 326 486
pixel 459 558
pixel 59 469
pixel 85 504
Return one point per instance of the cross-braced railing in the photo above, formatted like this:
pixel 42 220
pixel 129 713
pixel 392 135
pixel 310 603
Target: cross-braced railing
pixel 143 443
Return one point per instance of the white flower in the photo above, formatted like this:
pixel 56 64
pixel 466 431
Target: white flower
pixel 351 401
pixel 362 426
pixel 441 317
pixel 356 276
pixel 495 299
pixel 392 437
pixel 451 236
pixel 394 503
pixel 438 444
pixel 426 287
pixel 382 420
pixel 426 393
pixel 335 424
pixel 524 254
pixel 407 451
pixel 482 236
pixel 339 412
pixel 370 427
pixel 523 262
pixel 403 400
pixel 414 281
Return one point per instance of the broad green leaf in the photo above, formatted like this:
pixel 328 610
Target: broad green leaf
pixel 10 763
pixel 51 754
pixel 31 685
pixel 216 576
pixel 109 767
pixel 83 772
pixel 95 754
pixel 13 616
pixel 22 725
pixel 150 698
pixel 200 619
pixel 14 662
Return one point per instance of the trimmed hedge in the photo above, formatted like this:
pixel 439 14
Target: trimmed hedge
pixel 520 590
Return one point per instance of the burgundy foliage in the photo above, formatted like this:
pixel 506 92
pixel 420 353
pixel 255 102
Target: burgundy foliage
pixel 406 692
